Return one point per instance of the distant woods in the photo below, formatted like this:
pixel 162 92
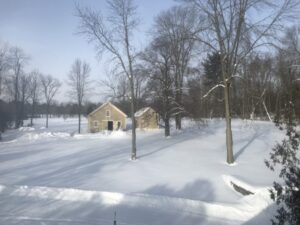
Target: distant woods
pixel 29 95
pixel 204 59
pixel 180 72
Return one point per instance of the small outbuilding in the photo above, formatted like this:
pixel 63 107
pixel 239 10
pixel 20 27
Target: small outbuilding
pixel 106 117
pixel 146 118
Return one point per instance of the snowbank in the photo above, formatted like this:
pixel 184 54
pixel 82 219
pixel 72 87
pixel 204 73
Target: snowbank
pixel 44 135
pixel 103 135
pixel 215 213
pixel 26 129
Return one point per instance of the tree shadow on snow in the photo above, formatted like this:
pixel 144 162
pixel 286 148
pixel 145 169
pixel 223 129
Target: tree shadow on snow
pixel 200 190
pixel 248 143
pixel 71 169
pixel 264 217
pixel 11 135
pixel 154 144
pixel 133 209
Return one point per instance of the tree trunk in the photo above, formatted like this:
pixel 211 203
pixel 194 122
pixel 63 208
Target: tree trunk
pixel 79 118
pixel 178 121
pixel 229 142
pixel 16 115
pixel 277 106
pixel 32 113
pixel 167 126
pixel 21 117
pixel 47 115
pixel 132 106
pixel 266 110
pixel 178 103
pixel 16 106
pixel 133 140
pixel 31 119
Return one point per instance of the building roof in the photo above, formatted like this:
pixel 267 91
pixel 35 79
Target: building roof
pixel 141 111
pixel 108 103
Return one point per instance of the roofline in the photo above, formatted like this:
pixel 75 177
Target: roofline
pixel 144 111
pixel 104 104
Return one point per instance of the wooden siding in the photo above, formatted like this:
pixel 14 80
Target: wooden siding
pixel 148 120
pixel 98 119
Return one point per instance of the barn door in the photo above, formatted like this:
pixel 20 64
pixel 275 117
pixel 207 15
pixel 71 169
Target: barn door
pixel 110 125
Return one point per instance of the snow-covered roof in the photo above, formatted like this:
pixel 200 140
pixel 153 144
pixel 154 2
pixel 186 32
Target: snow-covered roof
pixel 141 111
pixel 108 103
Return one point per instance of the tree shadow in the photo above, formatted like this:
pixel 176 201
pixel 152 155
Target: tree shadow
pixel 200 190
pixel 249 142
pixel 264 217
pixel 70 168
pixel 132 209
pixel 11 135
pixel 162 143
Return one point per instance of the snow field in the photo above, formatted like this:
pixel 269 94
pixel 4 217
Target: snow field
pixel 55 176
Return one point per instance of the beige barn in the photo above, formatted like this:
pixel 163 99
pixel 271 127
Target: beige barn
pixel 146 118
pixel 106 117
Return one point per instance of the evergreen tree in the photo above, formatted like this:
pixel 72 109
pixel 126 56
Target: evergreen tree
pixel 212 77
pixel 212 69
pixel 286 155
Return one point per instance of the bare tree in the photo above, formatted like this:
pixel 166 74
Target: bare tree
pixel 158 63
pixel 141 78
pixel 34 92
pixel 24 95
pixel 4 65
pixel 3 69
pixel 233 32
pixel 114 35
pixel 178 26
pixel 258 77
pixel 80 84
pixel 291 43
pixel 115 86
pixel 17 61
pixel 50 86
pixel 288 73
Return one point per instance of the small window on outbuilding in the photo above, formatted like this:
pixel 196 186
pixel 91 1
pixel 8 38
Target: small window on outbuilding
pixel 96 123
pixel 107 113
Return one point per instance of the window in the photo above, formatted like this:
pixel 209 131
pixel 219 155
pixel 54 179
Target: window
pixel 107 113
pixel 96 123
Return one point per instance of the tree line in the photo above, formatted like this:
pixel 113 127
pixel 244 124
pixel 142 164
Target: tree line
pixel 210 58
pixel 27 95
pixel 205 59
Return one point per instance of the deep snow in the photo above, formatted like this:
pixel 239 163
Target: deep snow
pixel 55 176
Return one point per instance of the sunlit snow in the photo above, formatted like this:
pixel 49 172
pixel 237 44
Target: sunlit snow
pixel 56 176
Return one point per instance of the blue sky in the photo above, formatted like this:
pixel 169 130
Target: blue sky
pixel 45 29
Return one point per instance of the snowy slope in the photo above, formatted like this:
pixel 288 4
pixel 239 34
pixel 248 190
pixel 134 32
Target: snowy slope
pixel 51 176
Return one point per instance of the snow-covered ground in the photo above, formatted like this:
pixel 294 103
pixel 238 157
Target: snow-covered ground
pixel 54 176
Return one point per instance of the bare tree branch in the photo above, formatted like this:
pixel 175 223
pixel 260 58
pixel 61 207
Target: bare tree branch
pixel 113 35
pixel 50 87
